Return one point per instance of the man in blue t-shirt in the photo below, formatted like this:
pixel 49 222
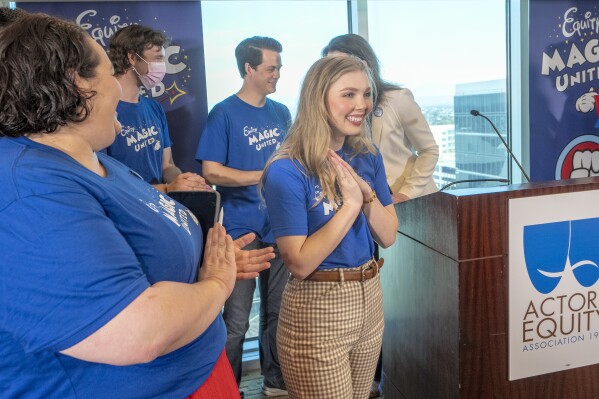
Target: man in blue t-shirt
pixel 143 144
pixel 241 133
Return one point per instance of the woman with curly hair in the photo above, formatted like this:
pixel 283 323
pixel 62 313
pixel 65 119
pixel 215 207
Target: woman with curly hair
pixel 99 293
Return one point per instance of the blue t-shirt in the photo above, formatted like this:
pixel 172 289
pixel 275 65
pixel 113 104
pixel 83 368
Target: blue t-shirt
pixel 241 136
pixel 76 250
pixel 143 138
pixel 290 195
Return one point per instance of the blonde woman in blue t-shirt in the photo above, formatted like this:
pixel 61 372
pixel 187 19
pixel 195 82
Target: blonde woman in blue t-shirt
pixel 328 202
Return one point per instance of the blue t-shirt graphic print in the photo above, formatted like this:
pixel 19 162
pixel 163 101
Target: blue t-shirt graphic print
pixel 143 138
pixel 241 136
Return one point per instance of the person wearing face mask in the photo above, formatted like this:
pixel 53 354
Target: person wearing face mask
pixel 143 143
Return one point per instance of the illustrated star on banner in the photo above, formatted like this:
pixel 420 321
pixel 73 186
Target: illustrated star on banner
pixel 174 92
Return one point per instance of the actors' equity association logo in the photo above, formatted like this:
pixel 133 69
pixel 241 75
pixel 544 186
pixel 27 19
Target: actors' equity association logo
pixel 552 250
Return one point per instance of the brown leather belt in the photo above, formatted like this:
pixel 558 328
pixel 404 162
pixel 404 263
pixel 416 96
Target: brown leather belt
pixel 364 274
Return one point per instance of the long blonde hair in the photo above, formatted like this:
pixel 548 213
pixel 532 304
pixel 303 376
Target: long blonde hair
pixel 309 138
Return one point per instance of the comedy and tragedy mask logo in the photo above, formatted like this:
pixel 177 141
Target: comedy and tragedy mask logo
pixel 553 249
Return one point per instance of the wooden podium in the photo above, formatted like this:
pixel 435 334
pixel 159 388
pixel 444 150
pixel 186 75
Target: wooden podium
pixel 445 298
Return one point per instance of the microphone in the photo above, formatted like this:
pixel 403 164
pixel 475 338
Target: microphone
pixel 509 150
pixel 453 183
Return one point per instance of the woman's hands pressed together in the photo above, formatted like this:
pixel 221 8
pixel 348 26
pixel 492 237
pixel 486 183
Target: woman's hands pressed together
pixel 381 220
pixel 353 187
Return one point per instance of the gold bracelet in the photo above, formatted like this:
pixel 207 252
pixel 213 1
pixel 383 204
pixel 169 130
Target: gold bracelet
pixel 371 198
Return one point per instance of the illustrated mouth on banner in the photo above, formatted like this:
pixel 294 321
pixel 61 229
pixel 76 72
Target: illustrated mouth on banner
pixel 579 158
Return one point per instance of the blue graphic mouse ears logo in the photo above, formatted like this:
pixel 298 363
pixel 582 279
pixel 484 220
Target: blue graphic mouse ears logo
pixel 550 248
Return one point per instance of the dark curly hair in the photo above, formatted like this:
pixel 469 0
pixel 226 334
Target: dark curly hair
pixel 132 39
pixel 40 56
pixel 8 15
pixel 250 51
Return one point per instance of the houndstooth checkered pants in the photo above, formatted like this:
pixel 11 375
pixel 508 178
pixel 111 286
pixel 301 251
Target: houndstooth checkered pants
pixel 329 337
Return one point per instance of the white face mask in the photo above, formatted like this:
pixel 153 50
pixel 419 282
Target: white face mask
pixel 156 72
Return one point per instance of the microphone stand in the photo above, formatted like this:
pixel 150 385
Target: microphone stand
pixel 476 113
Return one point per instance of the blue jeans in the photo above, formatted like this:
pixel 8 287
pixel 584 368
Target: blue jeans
pixel 271 283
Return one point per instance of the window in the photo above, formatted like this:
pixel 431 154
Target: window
pixel 452 55
pixel 302 27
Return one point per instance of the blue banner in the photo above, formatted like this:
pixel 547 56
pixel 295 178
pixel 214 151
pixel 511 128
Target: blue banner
pixel 564 89
pixel 182 94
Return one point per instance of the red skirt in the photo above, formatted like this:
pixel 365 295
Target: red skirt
pixel 221 383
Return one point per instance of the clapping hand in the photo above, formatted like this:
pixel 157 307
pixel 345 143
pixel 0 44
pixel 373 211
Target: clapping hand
pixel 250 263
pixel 219 258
